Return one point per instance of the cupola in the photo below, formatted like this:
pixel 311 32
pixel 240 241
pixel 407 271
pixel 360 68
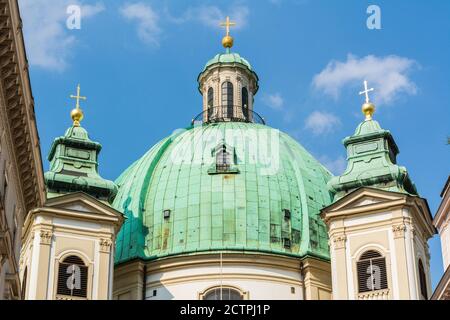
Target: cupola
pixel 228 85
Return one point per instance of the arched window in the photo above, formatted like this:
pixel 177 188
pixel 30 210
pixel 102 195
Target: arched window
pixel 223 159
pixel 423 281
pixel 245 102
pixel 227 99
pixel 24 283
pixel 223 294
pixel 72 277
pixel 210 102
pixel 371 268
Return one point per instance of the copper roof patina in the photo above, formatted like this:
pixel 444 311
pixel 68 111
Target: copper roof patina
pixel 242 210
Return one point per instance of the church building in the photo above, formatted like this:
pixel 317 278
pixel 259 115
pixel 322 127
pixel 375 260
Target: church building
pixel 230 209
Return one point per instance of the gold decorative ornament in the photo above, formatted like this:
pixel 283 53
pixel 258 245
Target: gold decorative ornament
pixel 227 41
pixel 368 108
pixel 77 114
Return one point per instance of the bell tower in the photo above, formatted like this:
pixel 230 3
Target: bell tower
pixel 378 225
pixel 228 85
pixel 68 247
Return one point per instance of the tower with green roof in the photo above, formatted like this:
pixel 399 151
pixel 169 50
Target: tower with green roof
pixel 74 163
pixel 68 247
pixel 226 208
pixel 378 224
pixel 372 161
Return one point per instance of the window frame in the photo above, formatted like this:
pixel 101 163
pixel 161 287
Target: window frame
pixel 88 272
pixel 243 294
pixel 227 99
pixel 244 100
pixel 210 102
pixel 224 159
pixel 423 287
pixel 365 260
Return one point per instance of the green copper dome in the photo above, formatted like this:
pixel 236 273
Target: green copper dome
pixel 228 58
pixel 178 200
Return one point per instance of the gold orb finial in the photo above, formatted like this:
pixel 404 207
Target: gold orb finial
pixel 77 114
pixel 368 108
pixel 227 41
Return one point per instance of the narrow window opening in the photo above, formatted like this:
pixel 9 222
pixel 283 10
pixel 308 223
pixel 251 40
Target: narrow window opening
pixel 223 159
pixel 423 281
pixel 227 99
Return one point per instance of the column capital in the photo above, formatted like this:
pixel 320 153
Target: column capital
pixel 105 245
pixel 399 230
pixel 46 236
pixel 340 241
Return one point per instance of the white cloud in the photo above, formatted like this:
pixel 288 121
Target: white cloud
pixel 388 75
pixel 147 21
pixel 88 11
pixel 322 122
pixel 274 101
pixel 336 166
pixel 49 43
pixel 212 16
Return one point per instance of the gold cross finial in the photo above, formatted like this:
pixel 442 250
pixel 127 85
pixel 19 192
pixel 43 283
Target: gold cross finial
pixel 227 24
pixel 77 113
pixel 78 97
pixel 366 91
pixel 227 41
pixel 368 108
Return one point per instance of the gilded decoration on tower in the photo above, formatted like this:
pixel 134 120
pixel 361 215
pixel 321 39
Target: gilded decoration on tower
pixel 77 114
pixel 227 41
pixel 368 108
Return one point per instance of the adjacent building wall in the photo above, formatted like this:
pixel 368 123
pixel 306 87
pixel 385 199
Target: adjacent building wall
pixel 21 178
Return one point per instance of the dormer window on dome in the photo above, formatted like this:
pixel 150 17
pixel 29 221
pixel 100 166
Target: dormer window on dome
pixel 224 160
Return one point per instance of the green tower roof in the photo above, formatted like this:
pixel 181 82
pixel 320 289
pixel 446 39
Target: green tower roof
pixel 74 166
pixel 228 58
pixel 177 202
pixel 372 162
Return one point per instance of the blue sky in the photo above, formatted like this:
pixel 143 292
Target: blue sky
pixel 137 62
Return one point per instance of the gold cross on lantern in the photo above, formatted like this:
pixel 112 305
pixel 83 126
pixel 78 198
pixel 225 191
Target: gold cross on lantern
pixel 77 114
pixel 366 91
pixel 227 24
pixel 78 97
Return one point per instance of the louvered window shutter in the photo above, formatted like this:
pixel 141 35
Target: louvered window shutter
pixel 372 274
pixel 72 277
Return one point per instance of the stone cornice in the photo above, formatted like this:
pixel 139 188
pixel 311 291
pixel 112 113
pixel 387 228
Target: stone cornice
pixel 18 107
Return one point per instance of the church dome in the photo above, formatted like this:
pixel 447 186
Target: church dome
pixel 228 58
pixel 179 200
